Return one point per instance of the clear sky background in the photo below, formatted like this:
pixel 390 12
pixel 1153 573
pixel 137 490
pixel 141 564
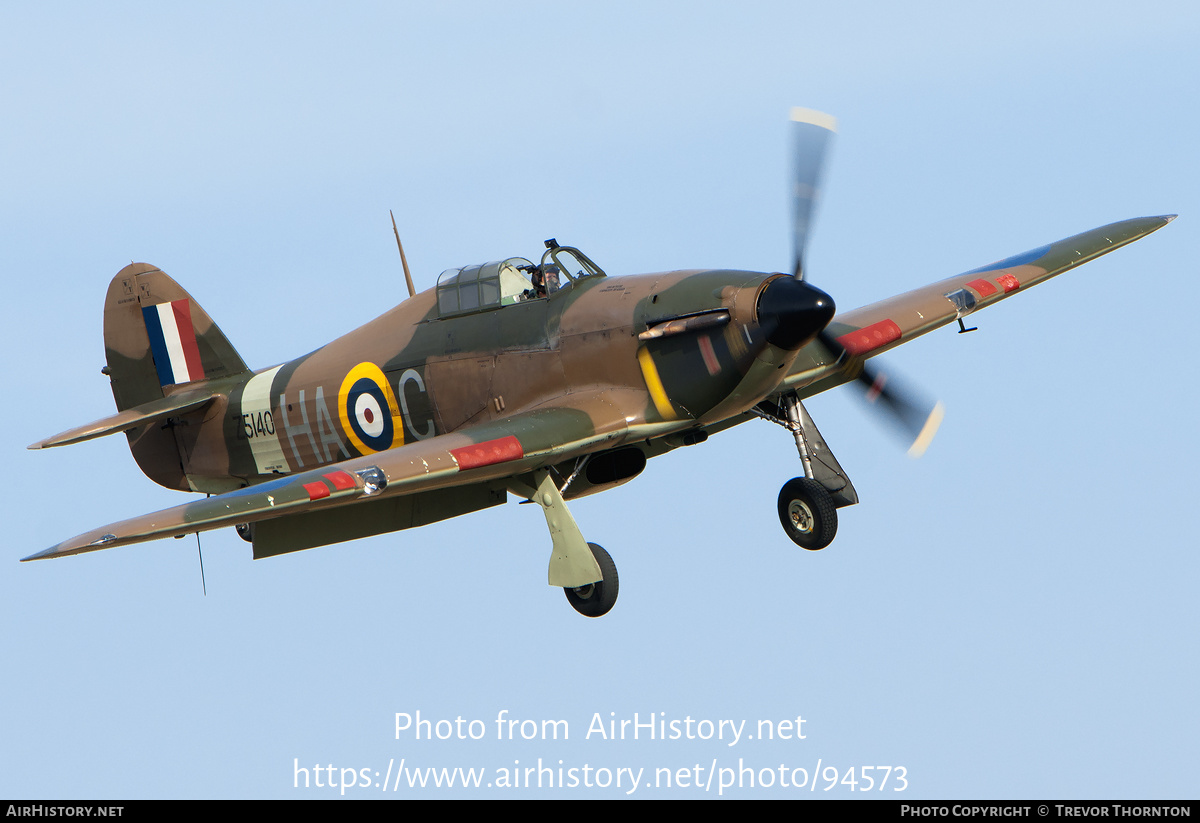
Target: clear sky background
pixel 1014 615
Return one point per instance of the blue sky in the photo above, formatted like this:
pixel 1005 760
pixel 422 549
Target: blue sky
pixel 1011 616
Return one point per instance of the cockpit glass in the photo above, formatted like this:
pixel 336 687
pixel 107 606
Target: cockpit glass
pixel 515 280
pixel 472 288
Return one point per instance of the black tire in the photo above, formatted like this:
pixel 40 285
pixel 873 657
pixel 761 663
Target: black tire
pixel 245 531
pixel 596 599
pixel 807 513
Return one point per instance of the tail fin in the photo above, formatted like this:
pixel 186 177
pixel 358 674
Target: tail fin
pixel 157 336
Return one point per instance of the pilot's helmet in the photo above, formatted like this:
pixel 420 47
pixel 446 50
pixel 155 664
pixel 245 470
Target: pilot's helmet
pixel 551 271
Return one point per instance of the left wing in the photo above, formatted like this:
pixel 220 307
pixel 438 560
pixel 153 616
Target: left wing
pixel 880 326
pixel 491 451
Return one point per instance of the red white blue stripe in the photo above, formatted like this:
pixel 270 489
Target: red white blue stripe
pixel 173 342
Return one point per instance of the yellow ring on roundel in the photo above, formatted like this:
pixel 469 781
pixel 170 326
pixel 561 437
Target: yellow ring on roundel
pixel 368 379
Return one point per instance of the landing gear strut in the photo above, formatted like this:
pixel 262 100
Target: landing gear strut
pixel 584 571
pixel 808 505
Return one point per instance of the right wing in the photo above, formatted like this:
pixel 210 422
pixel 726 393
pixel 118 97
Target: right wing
pixel 580 424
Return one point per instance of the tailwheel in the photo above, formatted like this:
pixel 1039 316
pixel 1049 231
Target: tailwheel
pixel 596 599
pixel 807 513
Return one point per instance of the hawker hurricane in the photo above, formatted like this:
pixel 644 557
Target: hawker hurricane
pixel 544 379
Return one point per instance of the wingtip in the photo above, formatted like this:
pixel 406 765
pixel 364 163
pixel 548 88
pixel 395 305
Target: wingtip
pixel 932 423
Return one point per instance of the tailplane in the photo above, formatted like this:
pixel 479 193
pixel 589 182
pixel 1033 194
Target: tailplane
pixel 169 364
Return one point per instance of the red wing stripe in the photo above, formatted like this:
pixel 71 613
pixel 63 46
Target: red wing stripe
pixel 984 287
pixel 1008 283
pixel 488 453
pixel 871 337
pixel 341 480
pixel 316 490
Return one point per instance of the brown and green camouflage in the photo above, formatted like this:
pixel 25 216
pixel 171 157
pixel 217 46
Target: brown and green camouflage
pixel 489 384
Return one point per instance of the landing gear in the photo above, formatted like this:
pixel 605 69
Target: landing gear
pixel 245 531
pixel 583 570
pixel 596 599
pixel 808 505
pixel 807 513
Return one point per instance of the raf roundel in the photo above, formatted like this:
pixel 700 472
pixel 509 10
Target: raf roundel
pixel 368 410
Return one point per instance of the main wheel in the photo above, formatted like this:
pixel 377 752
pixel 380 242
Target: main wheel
pixel 807 513
pixel 596 599
pixel 245 531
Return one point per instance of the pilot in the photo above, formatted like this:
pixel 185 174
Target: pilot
pixel 539 285
pixel 545 280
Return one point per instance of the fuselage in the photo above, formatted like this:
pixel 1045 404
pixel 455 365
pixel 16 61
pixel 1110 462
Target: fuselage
pixel 412 373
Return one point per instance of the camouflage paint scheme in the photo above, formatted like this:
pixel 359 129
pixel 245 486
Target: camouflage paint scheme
pixel 417 416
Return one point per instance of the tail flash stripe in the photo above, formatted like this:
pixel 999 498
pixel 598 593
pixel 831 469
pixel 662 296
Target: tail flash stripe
pixel 158 345
pixel 182 309
pixel 173 342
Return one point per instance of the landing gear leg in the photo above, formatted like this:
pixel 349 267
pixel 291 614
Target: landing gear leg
pixel 584 570
pixel 808 505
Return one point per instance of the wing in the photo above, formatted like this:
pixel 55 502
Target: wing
pixel 491 451
pixel 874 329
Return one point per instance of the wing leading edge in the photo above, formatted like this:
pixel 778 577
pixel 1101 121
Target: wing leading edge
pixel 497 450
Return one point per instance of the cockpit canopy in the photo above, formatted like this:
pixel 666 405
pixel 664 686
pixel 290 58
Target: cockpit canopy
pixel 480 287
pixel 515 280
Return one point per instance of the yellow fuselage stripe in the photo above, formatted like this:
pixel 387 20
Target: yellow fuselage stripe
pixel 654 384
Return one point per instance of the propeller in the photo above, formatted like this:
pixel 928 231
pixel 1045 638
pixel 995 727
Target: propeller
pixel 811 135
pixel 812 132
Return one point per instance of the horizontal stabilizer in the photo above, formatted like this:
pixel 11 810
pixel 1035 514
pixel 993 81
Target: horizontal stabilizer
pixel 131 418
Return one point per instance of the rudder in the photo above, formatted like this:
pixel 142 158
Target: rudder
pixel 157 337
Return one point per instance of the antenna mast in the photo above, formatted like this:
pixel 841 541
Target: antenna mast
pixel 407 275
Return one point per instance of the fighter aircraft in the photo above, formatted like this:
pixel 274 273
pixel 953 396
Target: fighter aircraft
pixel 548 381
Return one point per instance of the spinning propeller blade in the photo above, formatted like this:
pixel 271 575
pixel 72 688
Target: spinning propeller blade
pixel 913 414
pixel 811 134
pixel 917 418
